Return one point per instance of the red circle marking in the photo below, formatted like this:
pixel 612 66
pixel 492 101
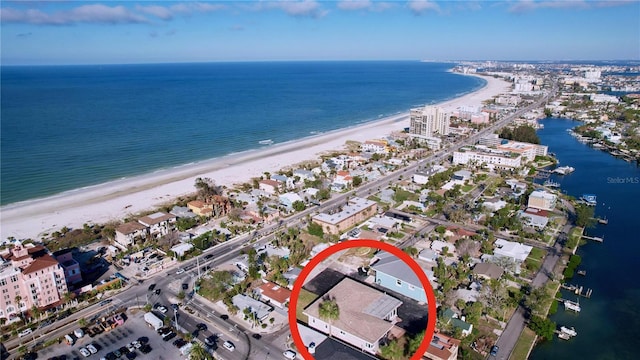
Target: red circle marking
pixel 426 285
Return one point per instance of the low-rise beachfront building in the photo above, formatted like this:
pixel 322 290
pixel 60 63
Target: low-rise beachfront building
pixel 344 178
pixel 336 222
pixel 274 294
pixel 158 224
pixel 543 200
pixel 269 186
pixel 29 277
pixel 182 212
pixel 375 146
pixel 366 315
pixel 200 208
pixel 526 150
pixel 71 267
pixel 129 234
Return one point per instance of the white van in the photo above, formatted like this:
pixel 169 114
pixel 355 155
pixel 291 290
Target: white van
pixel 69 339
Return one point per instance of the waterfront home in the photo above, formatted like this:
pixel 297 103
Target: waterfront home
pixel 158 224
pixel 271 187
pixel 288 199
pixel 356 211
pixel 182 212
pixel 543 200
pixel 394 274
pixel 274 294
pixel 442 347
pixel 200 208
pixel 535 218
pixel 448 316
pixel 366 318
pixel 284 181
pixel 129 234
pixel 487 271
pixel 304 174
pixel 375 146
pixel 33 275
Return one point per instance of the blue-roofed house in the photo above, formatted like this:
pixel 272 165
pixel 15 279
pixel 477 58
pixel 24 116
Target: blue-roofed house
pixel 395 275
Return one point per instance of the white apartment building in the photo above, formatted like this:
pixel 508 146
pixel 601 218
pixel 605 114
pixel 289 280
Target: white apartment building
pixel 495 159
pixel 429 121
pixel 528 151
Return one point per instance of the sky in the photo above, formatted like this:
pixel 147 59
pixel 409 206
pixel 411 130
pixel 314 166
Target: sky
pixel 115 32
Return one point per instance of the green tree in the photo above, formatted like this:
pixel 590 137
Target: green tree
pixel 584 215
pixel 414 343
pixel 392 351
pixel 82 322
pixel 198 352
pixel 315 229
pixel 181 295
pixel 298 205
pixel 356 181
pixel 329 311
pixel 543 327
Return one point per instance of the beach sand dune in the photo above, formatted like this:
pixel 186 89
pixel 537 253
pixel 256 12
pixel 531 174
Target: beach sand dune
pixel 115 200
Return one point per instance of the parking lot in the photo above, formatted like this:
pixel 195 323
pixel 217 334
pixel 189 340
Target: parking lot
pixel 133 329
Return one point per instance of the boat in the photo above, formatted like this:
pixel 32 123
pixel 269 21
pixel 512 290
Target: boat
pixel 265 142
pixel 573 306
pixel 564 336
pixel 603 221
pixel 564 170
pixel 569 331
pixel 582 272
pixel 589 199
pixel 551 183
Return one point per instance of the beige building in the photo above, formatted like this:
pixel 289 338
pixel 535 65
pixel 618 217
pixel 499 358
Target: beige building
pixel 355 212
pixel 158 224
pixel 429 121
pixel 130 234
pixel 542 200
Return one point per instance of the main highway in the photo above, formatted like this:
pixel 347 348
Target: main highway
pixel 221 253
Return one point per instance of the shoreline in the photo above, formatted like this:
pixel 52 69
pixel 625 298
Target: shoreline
pixel 114 200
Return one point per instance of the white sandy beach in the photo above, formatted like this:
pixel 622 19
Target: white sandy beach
pixel 114 200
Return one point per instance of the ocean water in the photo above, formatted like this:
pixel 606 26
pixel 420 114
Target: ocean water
pixel 67 127
pixel 608 325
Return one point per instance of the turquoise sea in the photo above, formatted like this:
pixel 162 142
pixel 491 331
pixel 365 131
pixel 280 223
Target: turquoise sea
pixel 608 325
pixel 68 127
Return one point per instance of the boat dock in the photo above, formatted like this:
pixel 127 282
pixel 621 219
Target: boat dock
pixel 570 305
pixel 566 333
pixel 578 290
pixel 594 238
pixel 551 183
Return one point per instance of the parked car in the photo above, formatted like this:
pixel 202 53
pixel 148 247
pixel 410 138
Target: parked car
pixel 84 352
pixel 202 327
pixel 185 286
pixel 169 336
pixel 289 354
pixel 163 309
pixel 229 345
pixel 494 350
pixel 105 302
pixel 211 340
pixel 92 349
pixel 208 257
pixel 152 286
pixel 180 271
pixel 157 291
pixel 25 332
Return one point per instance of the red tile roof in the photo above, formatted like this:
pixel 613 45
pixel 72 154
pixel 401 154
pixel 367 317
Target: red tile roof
pixel 275 292
pixel 40 263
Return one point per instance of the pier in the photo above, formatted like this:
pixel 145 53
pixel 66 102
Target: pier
pixel 578 290
pixel 594 238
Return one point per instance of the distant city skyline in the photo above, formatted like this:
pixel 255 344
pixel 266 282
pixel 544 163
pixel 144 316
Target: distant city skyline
pixel 110 32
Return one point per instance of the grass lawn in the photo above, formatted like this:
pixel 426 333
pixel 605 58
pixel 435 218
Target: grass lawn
pixel 537 254
pixel 306 298
pixel 467 188
pixel 524 344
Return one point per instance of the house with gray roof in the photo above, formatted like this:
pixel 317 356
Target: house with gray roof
pixel 395 275
pixel 366 315
pixel 259 309
pixel 488 271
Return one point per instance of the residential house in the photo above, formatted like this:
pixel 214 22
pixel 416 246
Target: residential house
pixel 304 174
pixel 269 186
pixel 373 311
pixel 543 200
pixel 442 347
pixel 288 199
pixel 394 274
pixel 428 256
pixel 71 267
pixel 284 181
pixel 494 204
pixel 516 251
pixel 129 234
pixel 258 309
pixel 343 177
pixel 356 211
pixel 291 275
pixel 274 294
pixel 181 249
pixel 383 224
pixel 487 271
pixel 448 316
pixel 375 146
pixel 200 208
pixel 535 218
pixel 32 276
pixel 158 224
pixel 182 212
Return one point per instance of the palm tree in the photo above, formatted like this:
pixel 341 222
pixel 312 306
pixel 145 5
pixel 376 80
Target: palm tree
pixel 392 351
pixel 198 352
pixel 329 310
pixel 18 299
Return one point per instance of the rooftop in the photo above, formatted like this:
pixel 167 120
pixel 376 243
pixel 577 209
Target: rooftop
pixel 275 292
pixel 130 227
pixel 355 206
pixel 156 218
pixel 361 308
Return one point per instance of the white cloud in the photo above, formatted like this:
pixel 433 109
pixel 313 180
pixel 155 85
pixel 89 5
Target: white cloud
pixel 169 12
pixel 354 4
pixel 305 8
pixel 530 5
pixel 93 14
pixel 420 7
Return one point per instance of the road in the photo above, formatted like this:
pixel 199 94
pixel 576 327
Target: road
pixel 232 248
